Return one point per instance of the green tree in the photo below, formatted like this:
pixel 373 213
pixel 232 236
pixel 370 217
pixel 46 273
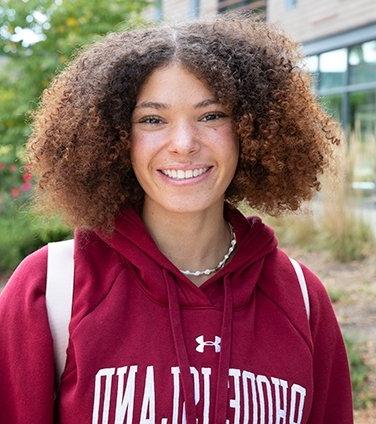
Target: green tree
pixel 37 40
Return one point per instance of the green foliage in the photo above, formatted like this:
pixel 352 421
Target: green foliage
pixel 299 230
pixel 62 28
pixel 343 235
pixel 359 371
pixel 335 294
pixel 22 233
pixel 59 28
pixel 351 240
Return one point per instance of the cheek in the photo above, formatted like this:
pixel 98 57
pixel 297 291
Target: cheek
pixel 226 142
pixel 142 150
pixel 137 155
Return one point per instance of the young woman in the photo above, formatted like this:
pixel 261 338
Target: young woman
pixel 184 310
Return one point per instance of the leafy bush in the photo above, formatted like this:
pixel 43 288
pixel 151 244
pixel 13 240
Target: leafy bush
pixel 26 69
pixel 22 233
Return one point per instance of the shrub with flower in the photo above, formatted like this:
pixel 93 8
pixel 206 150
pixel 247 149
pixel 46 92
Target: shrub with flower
pixel 15 182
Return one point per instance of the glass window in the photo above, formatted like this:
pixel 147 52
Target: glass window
pixel 194 6
pixel 158 10
pixel 291 4
pixel 311 64
pixel 333 66
pixel 258 6
pixel 362 62
pixel 363 112
pixel 333 105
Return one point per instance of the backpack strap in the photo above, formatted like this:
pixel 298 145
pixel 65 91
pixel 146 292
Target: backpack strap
pixel 59 296
pixel 302 283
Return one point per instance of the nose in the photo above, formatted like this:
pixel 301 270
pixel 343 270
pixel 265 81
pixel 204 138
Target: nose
pixel 183 139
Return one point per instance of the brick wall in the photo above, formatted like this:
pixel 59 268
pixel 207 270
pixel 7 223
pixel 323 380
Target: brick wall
pixel 312 19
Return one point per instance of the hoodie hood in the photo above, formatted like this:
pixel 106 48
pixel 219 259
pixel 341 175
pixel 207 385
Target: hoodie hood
pixel 229 288
pixel 133 242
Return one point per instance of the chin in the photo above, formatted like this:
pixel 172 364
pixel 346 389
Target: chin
pixel 190 206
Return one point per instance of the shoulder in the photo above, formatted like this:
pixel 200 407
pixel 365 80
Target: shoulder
pixel 280 265
pixel 316 288
pixel 322 313
pixel 29 276
pixel 35 261
pixel 281 283
pixel 22 301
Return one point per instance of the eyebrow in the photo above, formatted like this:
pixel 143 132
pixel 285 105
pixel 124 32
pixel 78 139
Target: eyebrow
pixel 158 105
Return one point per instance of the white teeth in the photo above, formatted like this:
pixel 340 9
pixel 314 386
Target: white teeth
pixel 183 175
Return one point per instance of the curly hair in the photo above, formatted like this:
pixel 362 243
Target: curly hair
pixel 79 148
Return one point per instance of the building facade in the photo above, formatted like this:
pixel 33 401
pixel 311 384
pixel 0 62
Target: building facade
pixel 338 38
pixel 182 10
pixel 339 41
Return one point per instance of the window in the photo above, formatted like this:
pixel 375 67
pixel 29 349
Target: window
pixel 158 10
pixel 363 112
pixel 255 5
pixel 335 76
pixel 291 4
pixel 311 64
pixel 194 8
pixel 362 63
pixel 333 67
pixel 333 105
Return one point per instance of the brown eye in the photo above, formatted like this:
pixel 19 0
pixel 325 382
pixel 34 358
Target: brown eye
pixel 152 120
pixel 212 116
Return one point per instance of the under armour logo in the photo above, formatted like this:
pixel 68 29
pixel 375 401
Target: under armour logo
pixel 202 343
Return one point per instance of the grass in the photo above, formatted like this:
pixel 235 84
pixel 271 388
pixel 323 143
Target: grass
pixel 347 236
pixel 334 227
pixel 338 231
pixel 335 294
pixel 362 396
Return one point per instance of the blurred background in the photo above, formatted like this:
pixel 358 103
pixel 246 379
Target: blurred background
pixel 334 234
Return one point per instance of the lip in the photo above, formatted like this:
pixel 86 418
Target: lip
pixel 188 181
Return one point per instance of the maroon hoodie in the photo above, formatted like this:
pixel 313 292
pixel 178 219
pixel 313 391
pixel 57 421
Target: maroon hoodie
pixel 149 346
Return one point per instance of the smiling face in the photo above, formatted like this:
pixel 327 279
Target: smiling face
pixel 184 150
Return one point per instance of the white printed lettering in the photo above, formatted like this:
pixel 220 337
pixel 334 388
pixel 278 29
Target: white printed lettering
pixel 249 376
pixel 256 398
pixel 107 373
pixel 280 411
pixel 295 388
pixel 148 401
pixel 175 371
pixel 196 384
pixel 125 400
pixel 235 403
pixel 262 380
pixel 206 372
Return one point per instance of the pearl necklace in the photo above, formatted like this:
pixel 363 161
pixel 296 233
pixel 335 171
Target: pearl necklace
pixel 221 263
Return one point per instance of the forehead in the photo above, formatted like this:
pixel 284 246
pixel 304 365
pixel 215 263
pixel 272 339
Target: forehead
pixel 174 84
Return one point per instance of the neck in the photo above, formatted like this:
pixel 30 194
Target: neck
pixel 191 241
